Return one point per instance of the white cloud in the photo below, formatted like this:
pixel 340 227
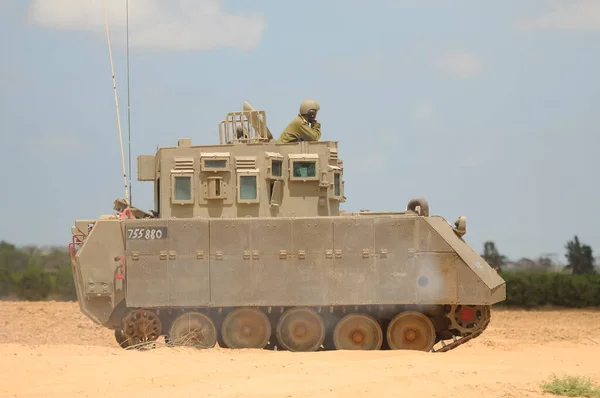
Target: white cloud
pixel 460 64
pixel 571 15
pixel 157 24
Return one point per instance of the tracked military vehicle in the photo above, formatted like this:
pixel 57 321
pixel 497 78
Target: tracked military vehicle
pixel 247 247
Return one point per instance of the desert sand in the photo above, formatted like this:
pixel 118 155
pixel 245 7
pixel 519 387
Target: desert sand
pixel 51 350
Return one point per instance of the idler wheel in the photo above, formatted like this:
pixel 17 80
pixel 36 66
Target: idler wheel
pixel 140 326
pixel 300 329
pixel 357 332
pixel 246 328
pixel 411 330
pixel 193 329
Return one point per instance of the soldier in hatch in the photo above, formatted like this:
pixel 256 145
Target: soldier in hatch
pixel 305 126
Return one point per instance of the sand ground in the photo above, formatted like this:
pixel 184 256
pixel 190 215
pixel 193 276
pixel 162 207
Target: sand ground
pixel 51 350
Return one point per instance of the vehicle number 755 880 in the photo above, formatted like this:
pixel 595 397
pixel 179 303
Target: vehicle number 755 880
pixel 146 233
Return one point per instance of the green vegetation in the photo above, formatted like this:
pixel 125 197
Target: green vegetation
pixel 571 386
pixel 34 274
pixel 531 289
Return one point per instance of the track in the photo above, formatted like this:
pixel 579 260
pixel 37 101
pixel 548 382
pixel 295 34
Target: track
pixel 51 350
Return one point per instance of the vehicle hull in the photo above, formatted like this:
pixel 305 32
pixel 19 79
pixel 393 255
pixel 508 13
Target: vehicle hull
pixel 379 264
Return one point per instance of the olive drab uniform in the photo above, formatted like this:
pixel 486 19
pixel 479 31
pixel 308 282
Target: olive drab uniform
pixel 305 126
pixel 300 130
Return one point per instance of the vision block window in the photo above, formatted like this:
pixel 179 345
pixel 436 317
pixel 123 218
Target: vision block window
pixel 337 185
pixel 305 169
pixel 248 187
pixel 182 189
pixel 277 168
pixel 215 163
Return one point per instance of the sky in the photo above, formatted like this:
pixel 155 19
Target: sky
pixel 487 111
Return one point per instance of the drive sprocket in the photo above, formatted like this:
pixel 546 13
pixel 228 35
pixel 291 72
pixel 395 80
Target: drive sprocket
pixel 467 319
pixel 141 326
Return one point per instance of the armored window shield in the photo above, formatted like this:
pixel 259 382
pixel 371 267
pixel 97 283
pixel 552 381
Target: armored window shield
pixel 245 162
pixel 337 188
pixel 276 168
pixel 217 161
pixel 215 184
pixel 146 168
pixel 215 188
pixel 182 189
pixel 304 167
pixel 157 195
pixel 248 191
pixel 276 193
pixel 274 165
pixel 215 164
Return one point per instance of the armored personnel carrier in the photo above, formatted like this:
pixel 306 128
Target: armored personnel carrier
pixel 247 247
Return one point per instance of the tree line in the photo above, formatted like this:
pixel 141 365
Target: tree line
pixel 34 273
pixel 580 260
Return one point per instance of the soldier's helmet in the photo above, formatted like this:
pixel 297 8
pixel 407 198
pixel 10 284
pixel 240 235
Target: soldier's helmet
pixel 307 105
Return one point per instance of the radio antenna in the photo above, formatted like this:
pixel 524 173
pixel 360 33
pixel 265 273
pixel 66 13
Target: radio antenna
pixel 116 104
pixel 128 101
